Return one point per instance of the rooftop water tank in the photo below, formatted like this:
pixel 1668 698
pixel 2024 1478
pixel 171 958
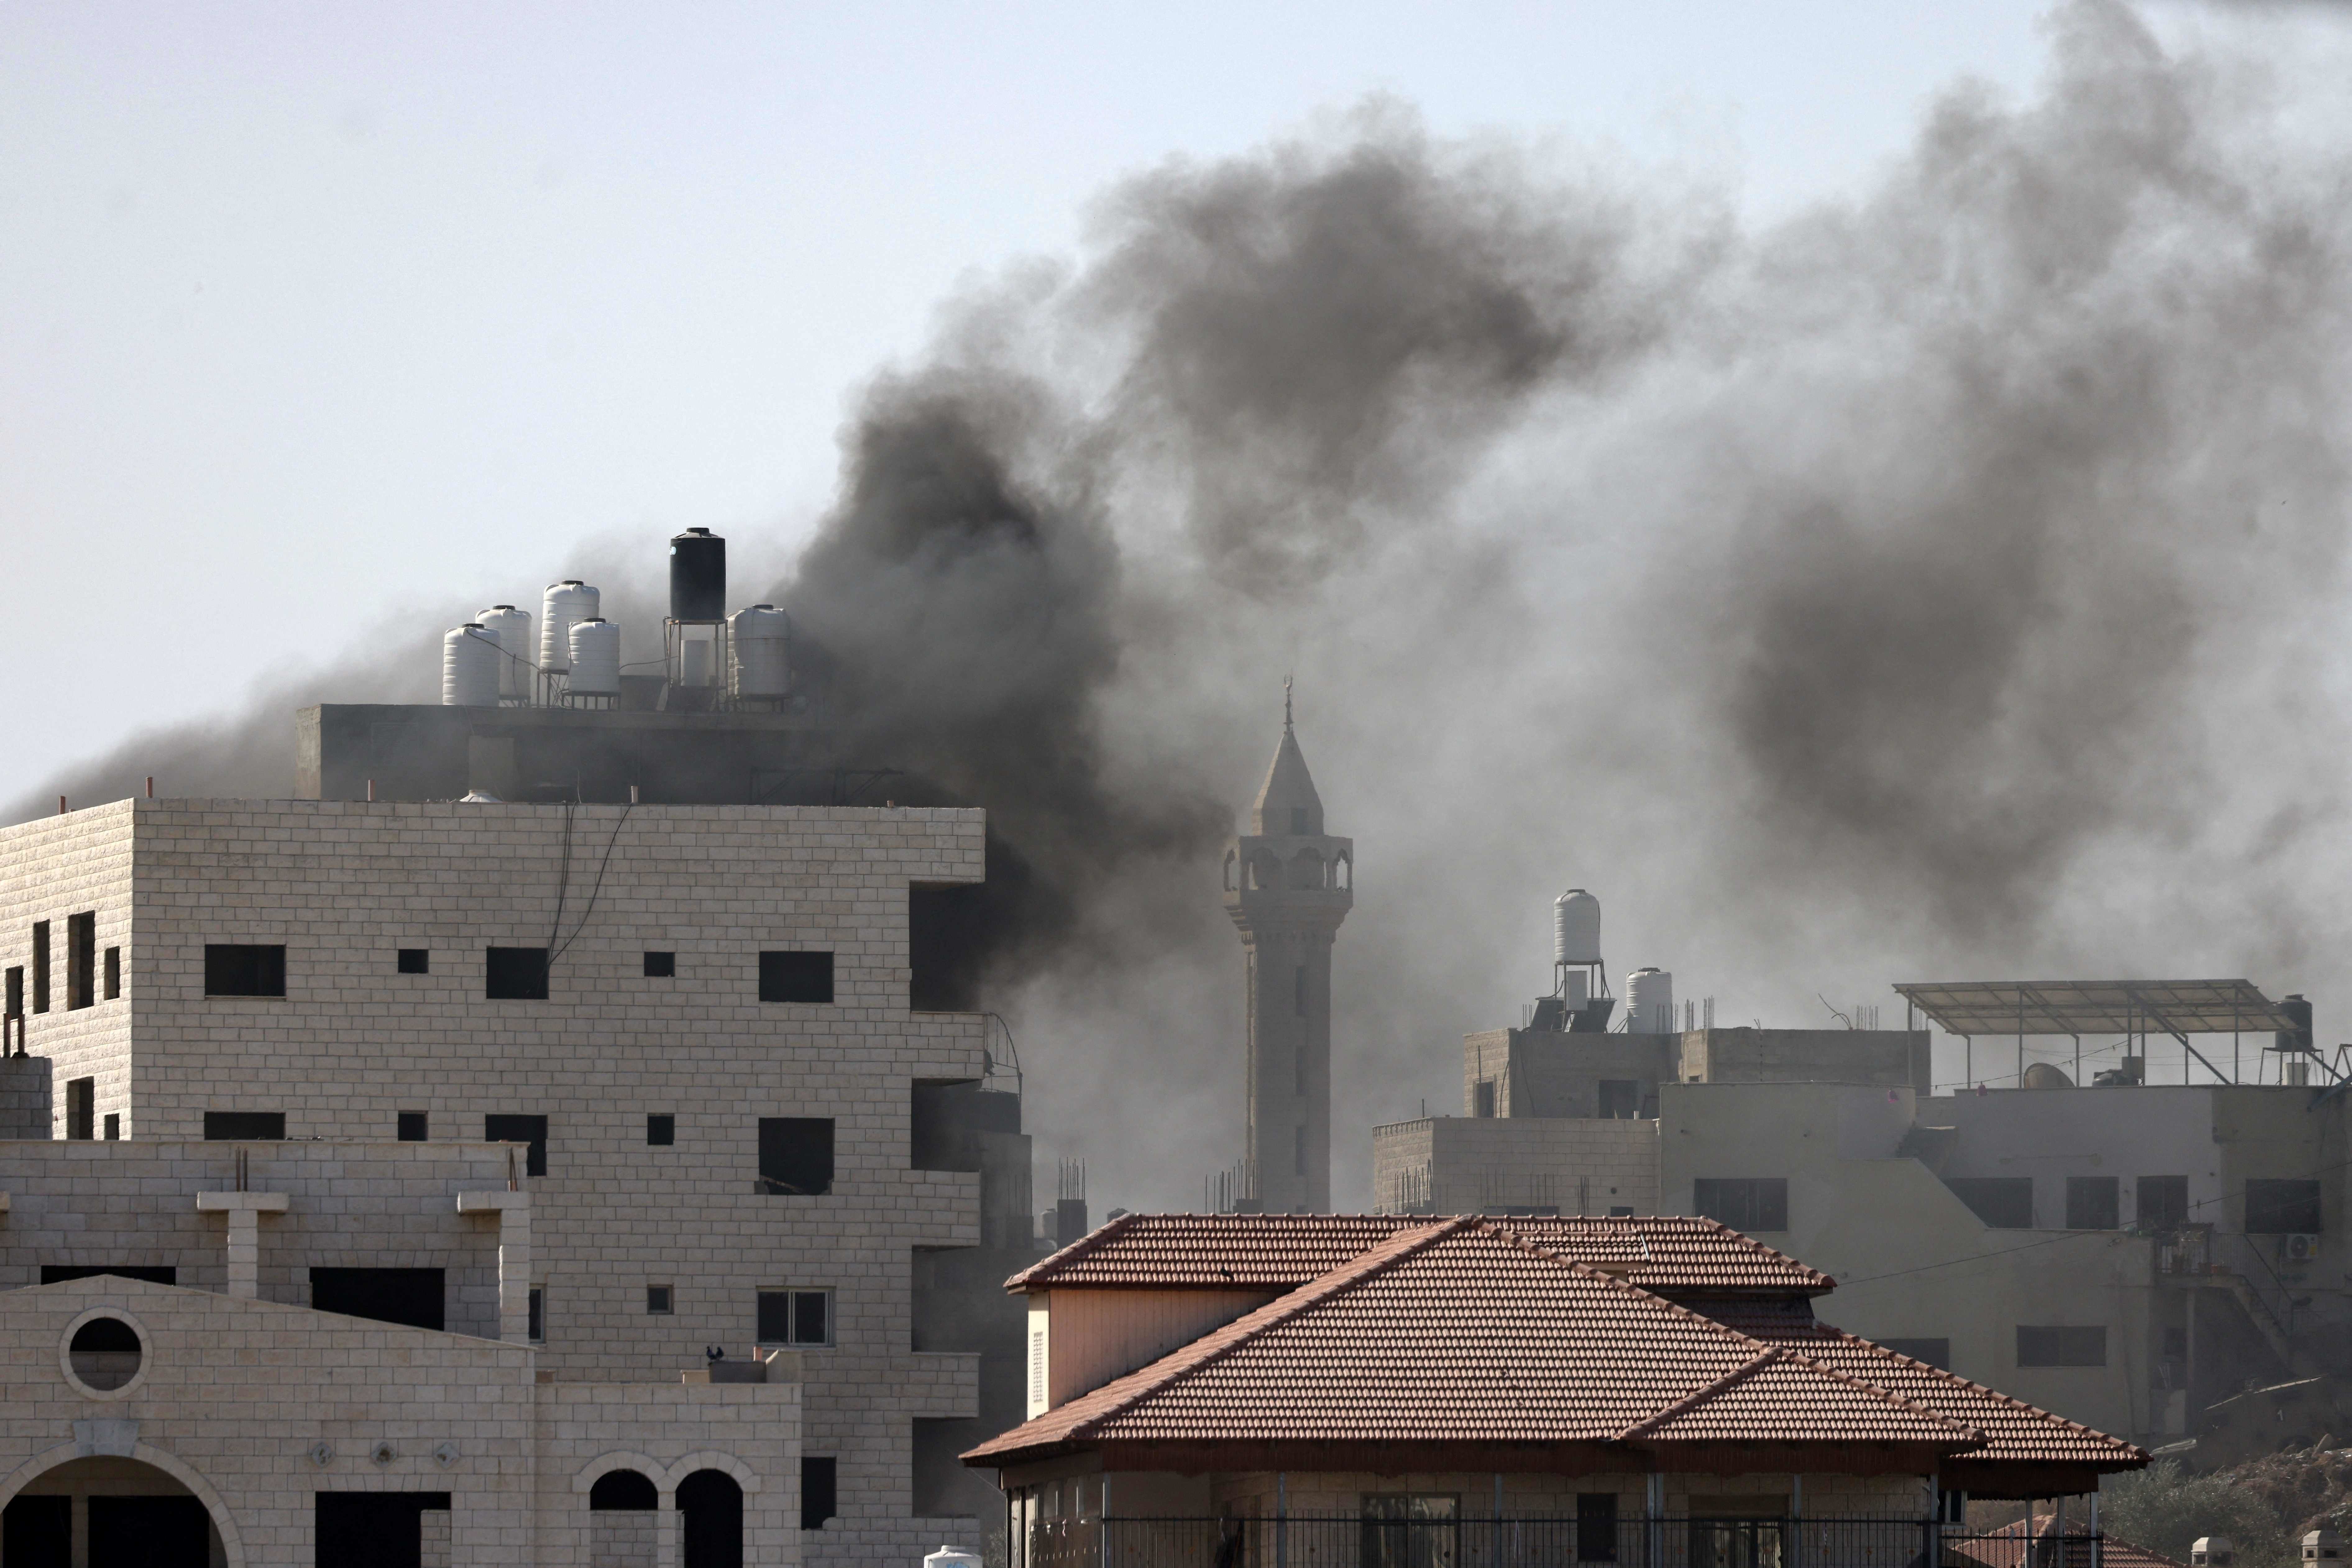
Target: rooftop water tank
pixel 697 576
pixel 565 601
pixel 513 629
pixel 469 666
pixel 1649 1002
pixel 950 1557
pixel 761 637
pixel 1576 928
pixel 595 658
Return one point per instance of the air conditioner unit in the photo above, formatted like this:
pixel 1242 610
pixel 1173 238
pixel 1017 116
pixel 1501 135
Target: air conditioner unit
pixel 2300 1248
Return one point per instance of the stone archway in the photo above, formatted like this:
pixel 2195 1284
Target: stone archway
pixel 110 1511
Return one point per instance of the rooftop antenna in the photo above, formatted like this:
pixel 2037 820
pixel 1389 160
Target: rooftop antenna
pixel 1286 702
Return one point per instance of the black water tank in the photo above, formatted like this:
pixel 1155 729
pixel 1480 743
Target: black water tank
pixel 2296 1008
pixel 697 576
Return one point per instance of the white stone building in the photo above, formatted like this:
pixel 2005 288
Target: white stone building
pixel 446 1137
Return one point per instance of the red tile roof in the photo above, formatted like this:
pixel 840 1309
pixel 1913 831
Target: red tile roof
pixel 2006 1547
pixel 1461 1330
pixel 1671 1254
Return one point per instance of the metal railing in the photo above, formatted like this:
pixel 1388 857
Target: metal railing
pixel 1353 1541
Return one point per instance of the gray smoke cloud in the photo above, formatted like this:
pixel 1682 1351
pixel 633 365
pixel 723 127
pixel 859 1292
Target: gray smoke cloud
pixel 1935 584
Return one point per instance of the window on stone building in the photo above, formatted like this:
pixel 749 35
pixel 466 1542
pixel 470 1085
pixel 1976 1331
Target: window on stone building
pixel 82 1107
pixel 2162 1202
pixel 113 972
pixel 113 1126
pixel 529 1130
pixel 81 961
pixel 2004 1202
pixel 412 1296
pixel 796 977
pixel 413 960
pixel 40 966
pixel 796 1155
pixel 536 1332
pixel 374 1526
pixel 622 1492
pixel 2092 1203
pixel 415 1126
pixel 245 969
pixel 1620 1099
pixel 1596 1527
pixel 246 1126
pixel 2282 1208
pixel 661 1132
pixel 15 991
pixel 1482 1098
pixel 658 1300
pixel 795 1317
pixel 1934 1353
pixel 661 965
pixel 818 1500
pixel 1744 1203
pixel 515 975
pixel 2061 1347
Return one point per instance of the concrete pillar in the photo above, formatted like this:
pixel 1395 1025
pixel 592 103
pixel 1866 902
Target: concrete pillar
pixel 244 1211
pixel 513 1210
pixel 666 1552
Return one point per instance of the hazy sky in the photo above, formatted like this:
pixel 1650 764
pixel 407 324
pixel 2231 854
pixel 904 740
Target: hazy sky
pixel 310 316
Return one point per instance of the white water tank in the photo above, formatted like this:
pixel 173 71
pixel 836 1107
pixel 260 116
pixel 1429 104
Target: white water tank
pixel 761 638
pixel 694 661
pixel 595 658
pixel 950 1557
pixel 469 668
pixel 1576 928
pixel 1650 1002
pixel 565 601
pixel 513 629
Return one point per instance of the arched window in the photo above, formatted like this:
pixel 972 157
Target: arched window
pixel 1343 873
pixel 622 1489
pixel 1229 871
pixel 1307 870
pixel 713 1506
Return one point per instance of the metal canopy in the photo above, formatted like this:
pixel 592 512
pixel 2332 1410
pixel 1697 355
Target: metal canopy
pixel 2176 1007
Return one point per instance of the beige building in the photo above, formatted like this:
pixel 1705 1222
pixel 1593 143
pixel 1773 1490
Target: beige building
pixel 425 1148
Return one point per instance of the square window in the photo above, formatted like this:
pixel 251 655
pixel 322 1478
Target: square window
pixel 415 960
pixel 661 1132
pixel 796 977
pixel 113 1126
pixel 530 1130
pixel 658 1300
pixel 516 975
pixel 1745 1203
pixel 796 1155
pixel 252 1126
pixel 245 969
pixel 413 1126
pixel 2062 1347
pixel 2282 1208
pixel 2163 1202
pixel 661 965
pixel 795 1318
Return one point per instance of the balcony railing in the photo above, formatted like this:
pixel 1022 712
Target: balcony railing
pixel 1302 1541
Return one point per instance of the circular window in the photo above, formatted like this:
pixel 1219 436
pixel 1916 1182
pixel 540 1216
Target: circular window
pixel 104 1354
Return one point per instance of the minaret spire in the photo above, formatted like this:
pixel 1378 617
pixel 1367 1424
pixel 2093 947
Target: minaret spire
pixel 1289 885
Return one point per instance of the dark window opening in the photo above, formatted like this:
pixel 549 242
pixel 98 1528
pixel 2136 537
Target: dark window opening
pixel 2003 1203
pixel 1482 1098
pixel 657 1299
pixel 372 1530
pixel 796 1155
pixel 619 1490
pixel 795 1317
pixel 2163 1202
pixel 1299 990
pixel 1596 1527
pixel 58 1273
pixel 410 1296
pixel 1934 1353
pixel 530 1130
pixel 537 1330
pixel 2093 1203
pixel 2282 1208
pixel 796 977
pixel 40 966
pixel 113 974
pixel 818 1501
pixel 661 965
pixel 1746 1204
pixel 82 1107
pixel 413 960
pixel 251 1126
pixel 661 1132
pixel 113 1126
pixel 15 991
pixel 947 935
pixel 1621 1098
pixel 38 1531
pixel 149 1529
pixel 2061 1347
pixel 516 975
pixel 81 961
pixel 710 1527
pixel 245 969
pixel 414 1126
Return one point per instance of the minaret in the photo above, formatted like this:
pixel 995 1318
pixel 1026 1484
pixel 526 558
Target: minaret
pixel 1287 886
